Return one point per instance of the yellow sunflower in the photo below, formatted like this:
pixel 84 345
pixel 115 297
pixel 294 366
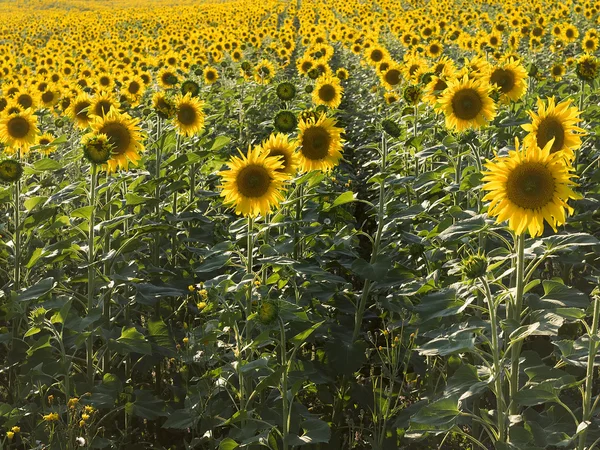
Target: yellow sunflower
pixel 510 79
pixel 327 91
pixel 558 122
pixel 124 134
pixel 528 186
pixel 18 131
pixel 79 110
pixel 211 75
pixel 44 142
pixel 189 116
pixel 102 103
pixel 264 71
pixel 467 104
pixel 278 145
pixel 320 144
pixel 434 90
pixel 253 183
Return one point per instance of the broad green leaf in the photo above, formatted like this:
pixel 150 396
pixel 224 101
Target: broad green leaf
pixel 134 199
pixel 133 341
pixel 301 337
pixel 85 212
pixel 438 416
pixel 315 431
pixel 36 291
pixel 228 444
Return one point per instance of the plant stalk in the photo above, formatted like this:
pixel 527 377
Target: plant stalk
pixel 515 315
pixel 91 273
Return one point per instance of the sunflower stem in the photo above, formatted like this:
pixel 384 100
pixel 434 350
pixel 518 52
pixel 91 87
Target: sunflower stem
pixel 91 273
pixel 284 386
pixel 299 206
pixel 360 311
pixel 515 315
pixel 17 267
pixel 498 371
pixel 589 378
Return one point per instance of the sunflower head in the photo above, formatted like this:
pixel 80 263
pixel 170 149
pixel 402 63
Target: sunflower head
pixel 320 144
pixel 391 128
pixel 328 91
pixel 466 104
pixel 587 68
pixel 11 170
pixel 190 87
pixel 285 121
pixel 529 186
pixel 124 135
pixel 412 94
pixel 253 183
pixel 19 130
pixel 189 114
pixel 96 148
pixel 286 91
pixel 556 123
pixel 510 80
pixel 279 146
pixel 163 105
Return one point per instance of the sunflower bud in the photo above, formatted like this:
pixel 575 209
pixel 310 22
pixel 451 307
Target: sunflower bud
pixel 10 171
pixel 474 266
pixel 391 128
pixel 268 312
pixel 286 91
pixel 285 121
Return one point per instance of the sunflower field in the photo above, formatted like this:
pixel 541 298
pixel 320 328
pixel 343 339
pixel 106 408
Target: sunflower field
pixel 300 224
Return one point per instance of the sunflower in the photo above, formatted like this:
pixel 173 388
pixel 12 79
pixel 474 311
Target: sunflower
pixel 26 99
pixel 211 75
pixel 189 116
pixel 392 77
pixel 105 81
pixel 264 71
pixel 390 97
pixel 124 134
pixel 278 145
pixel 50 96
pixel 96 148
pixel 509 78
pixel 434 49
pixel 328 91
pixel 102 104
pixel 44 141
pixel 467 104
pixel 285 121
pixel 342 73
pixel 133 89
pixel 79 110
pixel 320 144
pixel 434 90
pixel 557 71
pixel 589 44
pixel 528 186
pixel 375 54
pixel 587 67
pixel 558 122
pixel 19 130
pixel 253 183
pixel 11 170
pixel 167 78
pixel 163 105
pixel 570 33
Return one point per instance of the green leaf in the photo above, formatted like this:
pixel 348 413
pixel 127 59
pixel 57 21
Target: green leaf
pixel 182 419
pixel 219 143
pixel 47 164
pixel 344 356
pixel 342 199
pixel 32 202
pixel 465 382
pixel 315 431
pixel 35 256
pixel 147 406
pixel 60 316
pixel 134 199
pixel 376 271
pixel 438 416
pixel 36 291
pixel 131 340
pixel 159 334
pixel 228 444
pixel 85 212
pixel 43 342
pixel 299 339
pixel 535 396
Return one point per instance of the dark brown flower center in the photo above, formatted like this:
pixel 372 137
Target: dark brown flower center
pixel 392 77
pixel 253 181
pixel 504 79
pixel 118 135
pixel 466 104
pixel 327 92
pixel 315 143
pixel 550 128
pixel 530 185
pixel 18 127
pixel 186 114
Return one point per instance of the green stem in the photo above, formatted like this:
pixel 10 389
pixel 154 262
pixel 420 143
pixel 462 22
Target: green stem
pixel 589 377
pixel 515 315
pixel 17 238
pixel 91 273
pixel 496 358
pixel 299 206
pixel 284 386
pixel 374 253
pixel 249 271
